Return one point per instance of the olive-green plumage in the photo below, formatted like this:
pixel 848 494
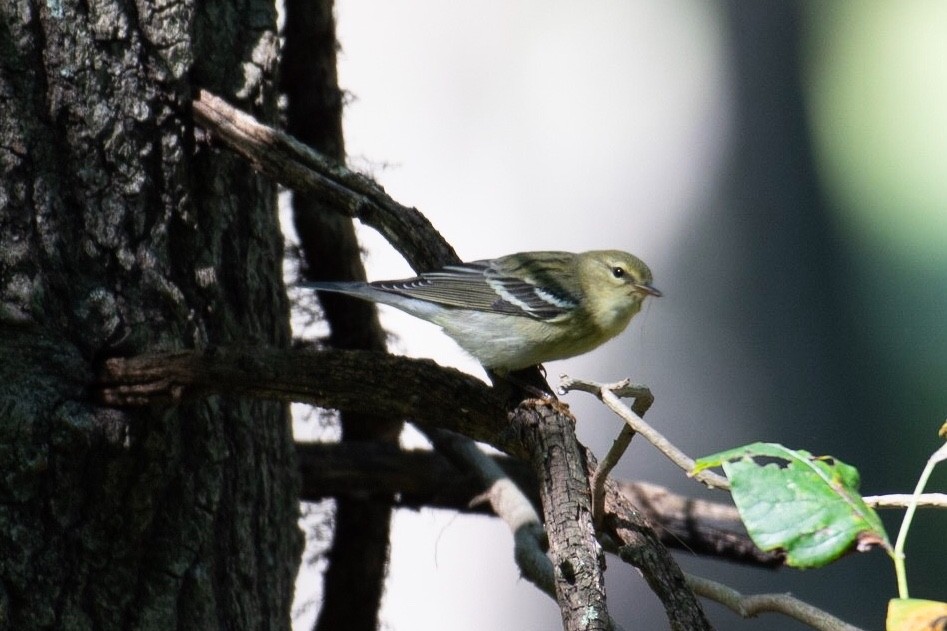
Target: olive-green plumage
pixel 523 309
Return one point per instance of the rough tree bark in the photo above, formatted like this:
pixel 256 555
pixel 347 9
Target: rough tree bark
pixel 120 235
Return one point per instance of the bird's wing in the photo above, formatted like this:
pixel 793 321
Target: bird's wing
pixel 484 286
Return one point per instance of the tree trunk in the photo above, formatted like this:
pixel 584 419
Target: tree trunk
pixel 121 234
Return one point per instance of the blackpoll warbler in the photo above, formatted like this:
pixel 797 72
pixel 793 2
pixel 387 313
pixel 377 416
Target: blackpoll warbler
pixel 522 309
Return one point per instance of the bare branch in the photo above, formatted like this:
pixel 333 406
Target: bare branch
pixel 296 166
pixel 702 527
pixel 507 501
pixel 755 604
pixel 548 432
pixel 428 479
pixel 903 500
pixel 629 535
pixel 643 401
pixel 360 381
pixel 609 395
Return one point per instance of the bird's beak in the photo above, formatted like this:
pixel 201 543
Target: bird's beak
pixel 644 288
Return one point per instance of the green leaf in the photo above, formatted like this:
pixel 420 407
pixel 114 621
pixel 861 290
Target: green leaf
pixel 808 506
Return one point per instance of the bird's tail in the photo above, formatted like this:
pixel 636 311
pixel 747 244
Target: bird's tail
pixel 339 287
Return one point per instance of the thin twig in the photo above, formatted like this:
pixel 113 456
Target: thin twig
pixel 507 501
pixel 755 604
pixel 643 399
pixel 609 395
pixel 903 500
pixel 605 466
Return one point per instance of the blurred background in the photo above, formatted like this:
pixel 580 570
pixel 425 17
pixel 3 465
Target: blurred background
pixel 781 166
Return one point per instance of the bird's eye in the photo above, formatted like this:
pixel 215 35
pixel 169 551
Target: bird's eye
pixel 618 272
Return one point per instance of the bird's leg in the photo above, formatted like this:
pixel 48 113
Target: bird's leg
pixel 530 381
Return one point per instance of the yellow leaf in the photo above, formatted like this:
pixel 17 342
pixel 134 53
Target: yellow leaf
pixel 912 614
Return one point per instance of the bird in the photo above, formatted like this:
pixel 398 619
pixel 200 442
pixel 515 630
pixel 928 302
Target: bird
pixel 522 309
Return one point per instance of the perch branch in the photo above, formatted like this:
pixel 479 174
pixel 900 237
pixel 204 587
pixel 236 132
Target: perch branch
pixel 547 431
pixel 360 381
